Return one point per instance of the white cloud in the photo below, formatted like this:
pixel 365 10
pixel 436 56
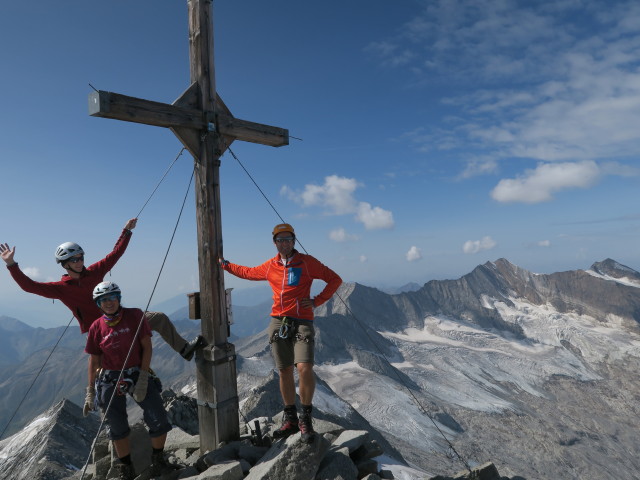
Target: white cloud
pixel 337 196
pixel 544 243
pixel 539 184
pixel 33 272
pixel 475 246
pixel 363 259
pixel 414 254
pixel 341 235
pixel 374 218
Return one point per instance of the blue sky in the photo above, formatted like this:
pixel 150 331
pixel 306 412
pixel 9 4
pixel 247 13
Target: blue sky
pixel 435 136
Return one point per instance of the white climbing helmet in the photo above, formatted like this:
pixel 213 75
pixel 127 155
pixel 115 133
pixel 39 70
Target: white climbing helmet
pixel 105 288
pixel 67 250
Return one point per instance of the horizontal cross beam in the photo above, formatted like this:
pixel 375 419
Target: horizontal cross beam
pixel 131 109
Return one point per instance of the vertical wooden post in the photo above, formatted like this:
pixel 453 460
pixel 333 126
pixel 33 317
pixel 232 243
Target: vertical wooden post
pixel 216 368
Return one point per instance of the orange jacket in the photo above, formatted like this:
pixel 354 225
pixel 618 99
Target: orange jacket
pixel 291 282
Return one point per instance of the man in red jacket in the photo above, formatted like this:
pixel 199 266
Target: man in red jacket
pixel 75 288
pixel 291 332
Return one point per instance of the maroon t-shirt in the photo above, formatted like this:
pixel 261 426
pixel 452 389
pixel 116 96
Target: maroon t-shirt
pixel 113 343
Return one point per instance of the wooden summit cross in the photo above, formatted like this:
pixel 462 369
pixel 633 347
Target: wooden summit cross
pixel 206 127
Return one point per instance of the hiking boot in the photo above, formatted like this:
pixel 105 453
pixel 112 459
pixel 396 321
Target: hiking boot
pixel 124 471
pixel 190 348
pixel 306 428
pixel 159 465
pixel 289 426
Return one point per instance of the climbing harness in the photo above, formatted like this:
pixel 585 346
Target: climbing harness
pixel 123 383
pixel 302 338
pixel 289 329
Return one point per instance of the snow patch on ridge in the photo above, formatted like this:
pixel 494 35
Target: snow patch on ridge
pixel 11 446
pixel 629 282
pixel 592 340
pixel 400 471
pixel 486 302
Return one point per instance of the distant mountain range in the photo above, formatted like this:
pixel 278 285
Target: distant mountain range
pixel 407 287
pixel 535 372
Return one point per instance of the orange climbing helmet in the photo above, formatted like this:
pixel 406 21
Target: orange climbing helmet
pixel 283 227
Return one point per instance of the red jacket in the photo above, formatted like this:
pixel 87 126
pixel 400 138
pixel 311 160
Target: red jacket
pixel 291 282
pixel 77 295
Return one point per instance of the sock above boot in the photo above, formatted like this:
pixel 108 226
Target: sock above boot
pixel 290 411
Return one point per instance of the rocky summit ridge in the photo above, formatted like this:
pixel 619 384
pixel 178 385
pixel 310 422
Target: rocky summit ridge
pixel 50 446
pixel 536 373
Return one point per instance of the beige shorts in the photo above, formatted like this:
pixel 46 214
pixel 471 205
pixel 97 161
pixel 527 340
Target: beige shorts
pixel 297 347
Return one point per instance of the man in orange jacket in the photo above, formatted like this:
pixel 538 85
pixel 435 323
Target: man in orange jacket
pixel 291 332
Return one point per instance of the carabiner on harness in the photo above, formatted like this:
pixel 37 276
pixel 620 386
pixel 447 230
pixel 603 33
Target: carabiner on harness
pixel 124 386
pixel 285 328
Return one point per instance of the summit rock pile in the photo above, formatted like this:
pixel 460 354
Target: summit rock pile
pixel 335 454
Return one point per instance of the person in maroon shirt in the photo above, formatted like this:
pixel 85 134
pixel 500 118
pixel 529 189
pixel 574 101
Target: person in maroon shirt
pixel 120 350
pixel 76 286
